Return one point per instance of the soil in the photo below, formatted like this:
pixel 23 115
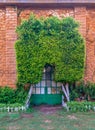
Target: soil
pixel 45 109
pixel 26 115
pixel 48 109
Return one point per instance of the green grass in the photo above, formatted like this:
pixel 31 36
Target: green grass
pixel 40 121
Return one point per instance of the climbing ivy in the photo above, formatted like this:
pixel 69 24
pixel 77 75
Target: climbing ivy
pixel 53 41
pixel 70 68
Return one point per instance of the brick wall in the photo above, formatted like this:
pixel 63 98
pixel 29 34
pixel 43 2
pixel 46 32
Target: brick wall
pixel 24 13
pixel 90 40
pixel 8 23
pixel 2 47
pixel 11 23
pixel 10 16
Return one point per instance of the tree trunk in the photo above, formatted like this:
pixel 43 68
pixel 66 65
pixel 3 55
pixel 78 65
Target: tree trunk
pixel 66 91
pixel 29 96
pixel 63 101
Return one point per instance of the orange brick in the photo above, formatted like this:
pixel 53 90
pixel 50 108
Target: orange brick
pixel 11 16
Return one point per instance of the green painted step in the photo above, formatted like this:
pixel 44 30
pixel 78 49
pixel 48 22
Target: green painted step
pixel 50 99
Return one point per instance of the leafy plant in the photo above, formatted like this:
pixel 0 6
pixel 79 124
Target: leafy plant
pixel 83 91
pixel 74 95
pixel 53 41
pixel 12 107
pixel 81 106
pixel 90 90
pixel 9 95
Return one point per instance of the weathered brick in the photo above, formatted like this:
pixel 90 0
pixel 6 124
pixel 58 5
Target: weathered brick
pixel 10 16
pixel 11 23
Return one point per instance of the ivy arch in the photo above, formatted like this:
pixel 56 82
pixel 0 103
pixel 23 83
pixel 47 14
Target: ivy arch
pixel 54 41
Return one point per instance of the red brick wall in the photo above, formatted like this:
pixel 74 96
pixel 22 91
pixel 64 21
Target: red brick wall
pixel 11 23
pixel 24 13
pixel 90 40
pixel 2 47
pixel 10 16
pixel 8 23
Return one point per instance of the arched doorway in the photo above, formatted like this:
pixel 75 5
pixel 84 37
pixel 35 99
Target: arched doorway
pixel 47 91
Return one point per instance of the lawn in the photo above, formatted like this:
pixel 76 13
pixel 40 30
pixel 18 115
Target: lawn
pixel 38 120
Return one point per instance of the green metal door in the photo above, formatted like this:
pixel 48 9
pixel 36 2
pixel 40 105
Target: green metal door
pixel 47 91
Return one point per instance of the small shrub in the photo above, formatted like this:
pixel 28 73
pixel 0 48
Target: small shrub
pixel 20 94
pixel 90 90
pixel 74 95
pixel 10 96
pixel 12 107
pixel 83 91
pixel 81 106
pixel 7 95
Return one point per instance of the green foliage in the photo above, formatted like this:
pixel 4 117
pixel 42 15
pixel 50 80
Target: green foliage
pixel 81 106
pixel 20 94
pixel 10 96
pixel 71 66
pixel 89 89
pixel 53 41
pixel 11 107
pixel 83 91
pixel 29 56
pixel 2 105
pixel 74 94
pixel 6 95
